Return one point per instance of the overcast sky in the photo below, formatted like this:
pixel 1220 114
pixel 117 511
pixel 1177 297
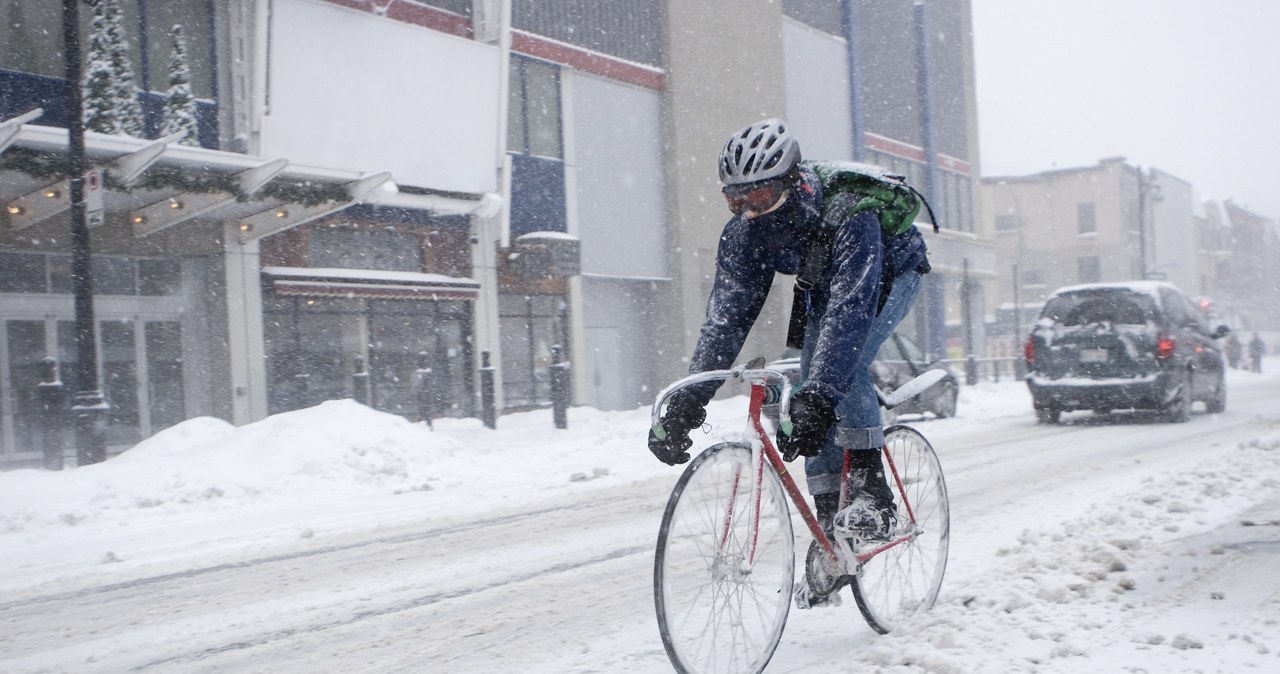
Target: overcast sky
pixel 1191 87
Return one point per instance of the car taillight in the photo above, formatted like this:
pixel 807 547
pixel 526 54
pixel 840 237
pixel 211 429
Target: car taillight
pixel 1029 351
pixel 1165 346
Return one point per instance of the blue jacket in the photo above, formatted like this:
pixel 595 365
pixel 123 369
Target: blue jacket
pixel 752 251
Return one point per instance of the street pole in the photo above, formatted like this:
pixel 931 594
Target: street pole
pixel 88 405
pixel 1142 225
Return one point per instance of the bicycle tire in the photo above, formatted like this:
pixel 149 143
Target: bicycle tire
pixel 904 580
pixel 717 613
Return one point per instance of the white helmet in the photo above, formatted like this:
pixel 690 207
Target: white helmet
pixel 761 151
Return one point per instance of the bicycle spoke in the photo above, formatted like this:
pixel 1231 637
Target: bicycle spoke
pixel 905 578
pixel 718 610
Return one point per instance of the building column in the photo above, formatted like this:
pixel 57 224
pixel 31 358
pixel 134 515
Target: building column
pixel 246 343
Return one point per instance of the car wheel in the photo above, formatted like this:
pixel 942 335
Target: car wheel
pixel 946 406
pixel 1218 403
pixel 1179 409
pixel 1048 415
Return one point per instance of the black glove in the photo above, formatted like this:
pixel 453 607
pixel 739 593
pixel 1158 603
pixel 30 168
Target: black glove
pixel 683 415
pixel 811 419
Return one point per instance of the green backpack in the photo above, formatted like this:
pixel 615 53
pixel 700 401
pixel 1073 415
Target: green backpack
pixel 896 202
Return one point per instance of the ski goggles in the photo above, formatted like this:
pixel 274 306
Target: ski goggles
pixel 755 197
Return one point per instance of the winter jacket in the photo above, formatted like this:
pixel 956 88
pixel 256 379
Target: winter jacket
pixel 752 251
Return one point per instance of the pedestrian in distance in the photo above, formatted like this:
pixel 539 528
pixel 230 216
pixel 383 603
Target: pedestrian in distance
pixel 1233 349
pixel 1256 349
pixel 794 217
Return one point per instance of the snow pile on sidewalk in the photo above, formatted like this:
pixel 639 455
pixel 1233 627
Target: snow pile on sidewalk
pixel 204 463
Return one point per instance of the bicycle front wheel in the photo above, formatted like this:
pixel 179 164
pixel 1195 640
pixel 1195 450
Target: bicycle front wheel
pixel 904 579
pixel 722 586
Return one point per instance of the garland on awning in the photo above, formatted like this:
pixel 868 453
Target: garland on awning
pixel 54 167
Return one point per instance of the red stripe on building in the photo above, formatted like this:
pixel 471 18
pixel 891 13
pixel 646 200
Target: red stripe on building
pixel 914 152
pixel 521 42
pixel 587 61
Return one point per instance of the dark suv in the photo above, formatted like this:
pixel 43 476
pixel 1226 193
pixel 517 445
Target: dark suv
pixel 1136 345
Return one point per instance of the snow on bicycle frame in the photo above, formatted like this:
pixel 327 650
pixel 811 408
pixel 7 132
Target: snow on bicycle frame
pixel 765 382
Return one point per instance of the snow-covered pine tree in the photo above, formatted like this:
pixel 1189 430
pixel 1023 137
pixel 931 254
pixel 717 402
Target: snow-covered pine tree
pixel 179 102
pixel 101 111
pixel 126 92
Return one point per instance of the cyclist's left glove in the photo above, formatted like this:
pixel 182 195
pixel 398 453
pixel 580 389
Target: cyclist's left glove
pixel 683 415
pixel 811 419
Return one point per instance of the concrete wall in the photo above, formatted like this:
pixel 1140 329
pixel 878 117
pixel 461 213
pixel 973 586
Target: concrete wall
pixel 725 70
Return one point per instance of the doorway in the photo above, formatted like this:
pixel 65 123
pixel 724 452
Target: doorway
pixel 140 369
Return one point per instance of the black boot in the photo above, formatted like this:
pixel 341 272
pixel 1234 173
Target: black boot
pixel 824 507
pixel 871 514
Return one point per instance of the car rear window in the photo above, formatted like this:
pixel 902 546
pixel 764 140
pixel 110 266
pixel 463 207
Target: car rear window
pixel 1100 306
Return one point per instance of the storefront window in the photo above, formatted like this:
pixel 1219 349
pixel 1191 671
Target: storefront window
pixel 531 325
pixel 22 273
pixel 313 345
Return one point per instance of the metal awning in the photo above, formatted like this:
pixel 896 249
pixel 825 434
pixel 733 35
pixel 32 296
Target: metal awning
pixel 367 284
pixel 158 184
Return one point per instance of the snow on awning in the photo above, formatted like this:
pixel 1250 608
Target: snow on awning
pixel 367 284
pixel 157 184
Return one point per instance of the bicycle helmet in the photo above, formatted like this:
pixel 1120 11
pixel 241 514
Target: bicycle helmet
pixel 762 151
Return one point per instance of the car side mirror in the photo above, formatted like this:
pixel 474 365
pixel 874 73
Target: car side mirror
pixel 1220 332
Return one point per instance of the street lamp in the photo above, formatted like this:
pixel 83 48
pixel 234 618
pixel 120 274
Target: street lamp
pixel 1146 187
pixel 88 405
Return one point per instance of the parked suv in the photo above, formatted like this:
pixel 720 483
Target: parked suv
pixel 1136 345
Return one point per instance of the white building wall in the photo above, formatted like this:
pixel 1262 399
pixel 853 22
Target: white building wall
pixel 620 200
pixel 350 89
pixel 617 208
pixel 817 85
pixel 1172 231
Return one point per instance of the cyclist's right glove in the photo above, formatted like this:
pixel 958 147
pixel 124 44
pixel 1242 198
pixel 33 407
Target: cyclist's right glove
pixel 811 419
pixel 683 415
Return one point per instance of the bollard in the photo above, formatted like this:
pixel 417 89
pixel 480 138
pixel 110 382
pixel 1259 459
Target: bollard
pixel 970 370
pixel 360 383
pixel 422 390
pixel 53 403
pixel 559 389
pixel 488 413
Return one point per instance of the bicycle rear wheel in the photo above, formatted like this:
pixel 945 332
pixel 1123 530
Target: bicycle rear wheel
pixel 904 580
pixel 722 598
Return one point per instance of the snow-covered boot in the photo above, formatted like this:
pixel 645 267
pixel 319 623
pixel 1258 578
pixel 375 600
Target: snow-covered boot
pixel 871 514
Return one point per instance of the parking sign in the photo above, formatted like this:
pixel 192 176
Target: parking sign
pixel 94 212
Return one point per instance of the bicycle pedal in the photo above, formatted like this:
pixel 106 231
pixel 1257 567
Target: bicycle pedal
pixel 806 600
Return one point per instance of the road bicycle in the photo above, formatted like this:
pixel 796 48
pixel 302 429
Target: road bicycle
pixel 723 575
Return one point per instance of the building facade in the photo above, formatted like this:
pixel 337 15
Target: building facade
pixel 407 191
pixel 1115 221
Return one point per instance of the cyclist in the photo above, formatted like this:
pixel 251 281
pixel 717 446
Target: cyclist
pixel 868 285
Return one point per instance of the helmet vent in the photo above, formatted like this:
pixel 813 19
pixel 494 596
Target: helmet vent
pixel 762 151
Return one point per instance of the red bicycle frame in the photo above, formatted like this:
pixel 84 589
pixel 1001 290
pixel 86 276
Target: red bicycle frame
pixel 770 453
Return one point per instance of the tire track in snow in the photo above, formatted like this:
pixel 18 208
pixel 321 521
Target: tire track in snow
pixel 400 607
pixel 474 525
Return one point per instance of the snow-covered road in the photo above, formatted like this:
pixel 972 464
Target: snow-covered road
pixel 1101 545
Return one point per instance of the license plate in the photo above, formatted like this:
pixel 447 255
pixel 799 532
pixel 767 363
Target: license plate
pixel 1094 355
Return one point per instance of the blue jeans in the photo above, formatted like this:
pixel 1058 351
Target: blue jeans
pixel 859 411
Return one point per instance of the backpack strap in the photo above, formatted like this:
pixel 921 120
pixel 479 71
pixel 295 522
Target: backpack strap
pixel 933 219
pixel 816 258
